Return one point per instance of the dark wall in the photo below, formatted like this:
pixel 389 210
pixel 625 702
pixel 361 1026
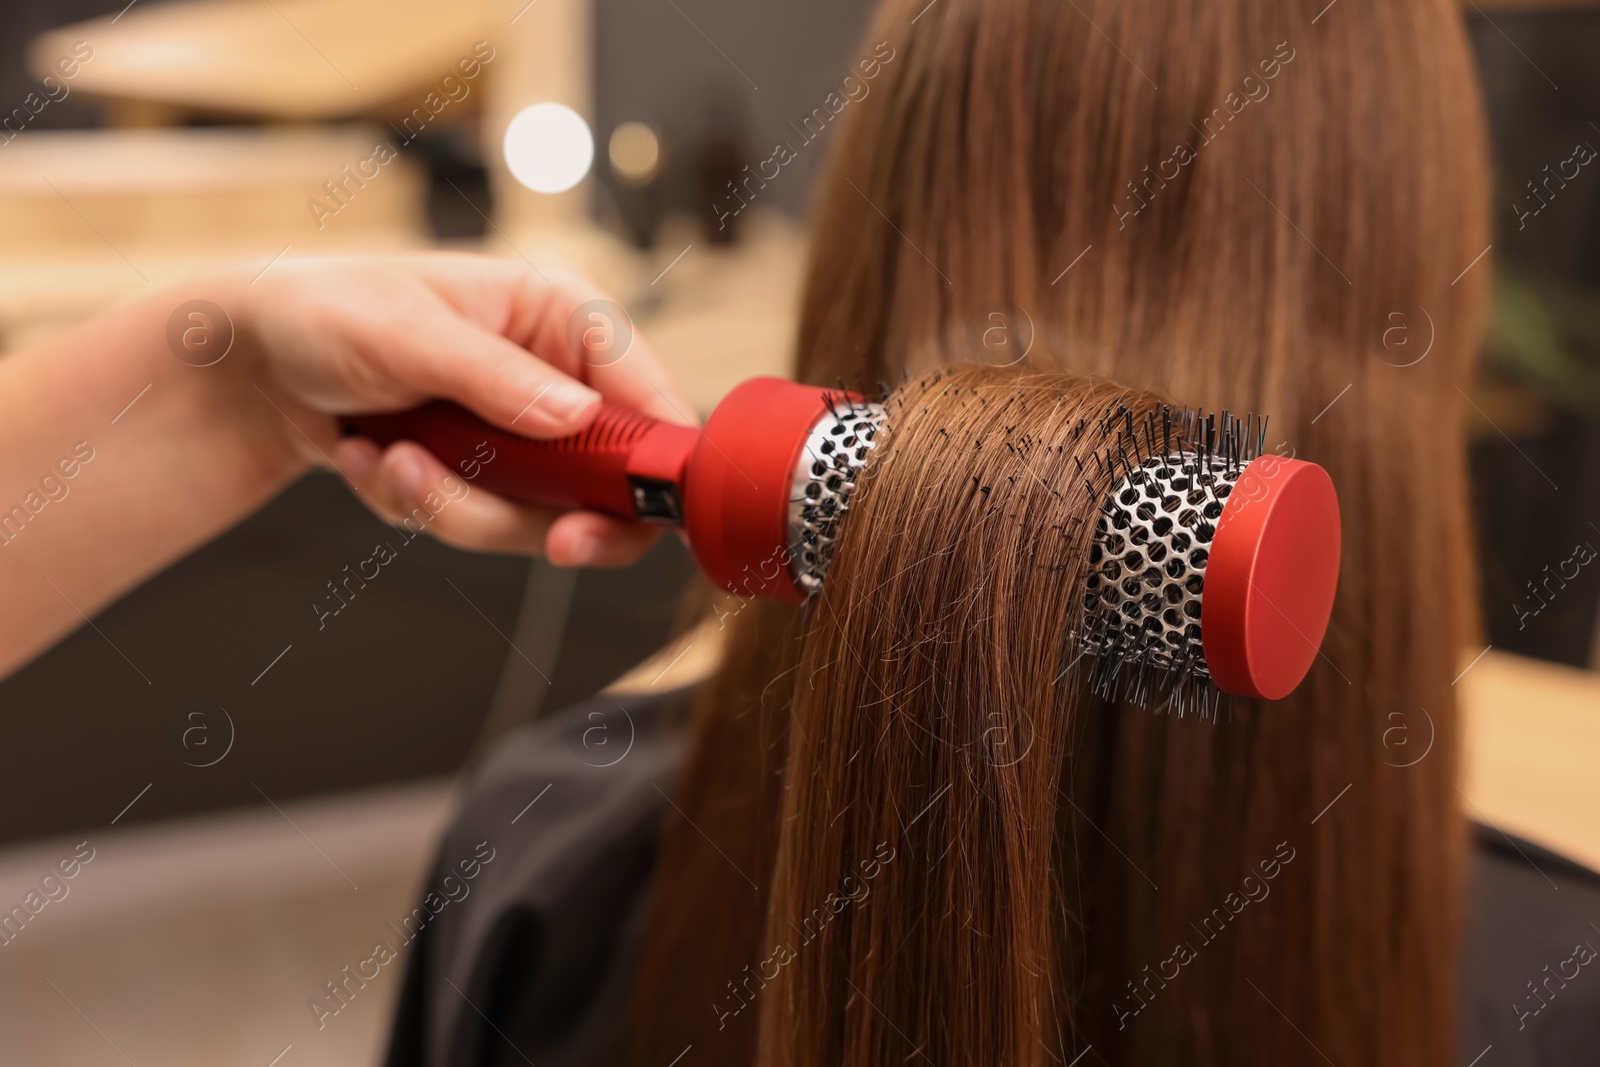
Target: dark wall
pixel 20 22
pixel 692 68
pixel 1537 489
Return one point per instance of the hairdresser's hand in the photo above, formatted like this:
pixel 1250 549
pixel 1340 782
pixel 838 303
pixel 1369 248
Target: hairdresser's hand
pixel 353 335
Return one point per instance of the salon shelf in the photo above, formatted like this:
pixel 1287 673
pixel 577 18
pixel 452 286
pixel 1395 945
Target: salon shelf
pixel 300 59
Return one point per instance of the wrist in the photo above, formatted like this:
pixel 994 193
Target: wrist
pixel 214 352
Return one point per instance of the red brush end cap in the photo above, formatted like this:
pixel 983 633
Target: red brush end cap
pixel 1270 578
pixel 738 484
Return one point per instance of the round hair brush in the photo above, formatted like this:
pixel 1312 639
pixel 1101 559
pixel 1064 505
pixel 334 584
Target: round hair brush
pixel 1210 561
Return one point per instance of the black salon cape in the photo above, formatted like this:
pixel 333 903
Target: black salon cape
pixel 534 964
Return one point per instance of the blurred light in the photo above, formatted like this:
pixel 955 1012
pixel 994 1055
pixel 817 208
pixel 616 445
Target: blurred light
pixel 635 153
pixel 548 147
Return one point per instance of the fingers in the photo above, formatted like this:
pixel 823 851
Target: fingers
pixel 358 459
pixel 448 356
pixel 589 539
pixel 571 324
pixel 409 487
pixel 580 327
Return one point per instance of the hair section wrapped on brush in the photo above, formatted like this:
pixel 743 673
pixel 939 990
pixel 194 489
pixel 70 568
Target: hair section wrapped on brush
pixel 930 718
pixel 1170 475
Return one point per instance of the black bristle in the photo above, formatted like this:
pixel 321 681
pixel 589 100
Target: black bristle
pixel 1133 659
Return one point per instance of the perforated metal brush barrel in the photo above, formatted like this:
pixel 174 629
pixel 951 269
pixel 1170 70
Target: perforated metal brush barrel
pixel 1148 566
pixel 1212 568
pixel 835 450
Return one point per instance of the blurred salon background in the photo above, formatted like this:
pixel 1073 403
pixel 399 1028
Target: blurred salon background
pixel 261 792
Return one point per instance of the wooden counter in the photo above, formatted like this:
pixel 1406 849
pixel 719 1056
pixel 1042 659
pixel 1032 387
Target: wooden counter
pixel 1531 764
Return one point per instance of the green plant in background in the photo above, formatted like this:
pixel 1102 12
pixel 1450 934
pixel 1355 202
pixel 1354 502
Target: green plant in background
pixel 1546 333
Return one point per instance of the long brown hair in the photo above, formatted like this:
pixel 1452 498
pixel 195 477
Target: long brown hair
pixel 1288 224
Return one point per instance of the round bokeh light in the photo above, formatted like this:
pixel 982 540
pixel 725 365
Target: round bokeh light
pixel 548 147
pixel 635 153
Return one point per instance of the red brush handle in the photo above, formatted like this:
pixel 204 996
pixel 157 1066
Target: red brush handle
pixel 605 468
pixel 732 497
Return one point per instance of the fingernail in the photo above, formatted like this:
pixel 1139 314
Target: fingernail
pixel 406 473
pixel 565 401
pixel 583 550
pixel 357 461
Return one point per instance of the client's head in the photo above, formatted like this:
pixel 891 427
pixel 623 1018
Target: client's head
pixel 1278 227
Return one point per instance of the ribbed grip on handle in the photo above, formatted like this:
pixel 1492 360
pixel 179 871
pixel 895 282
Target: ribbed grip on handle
pixel 592 470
